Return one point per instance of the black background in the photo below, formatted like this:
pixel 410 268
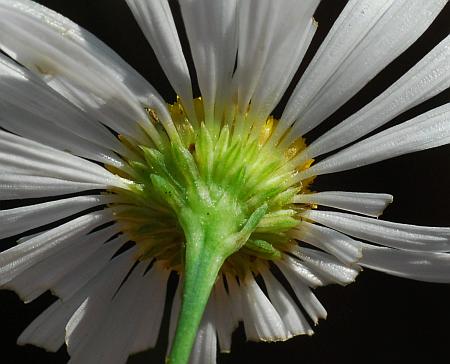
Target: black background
pixel 377 319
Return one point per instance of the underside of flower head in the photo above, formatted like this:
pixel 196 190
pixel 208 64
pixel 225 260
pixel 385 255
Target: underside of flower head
pixel 241 189
pixel 211 200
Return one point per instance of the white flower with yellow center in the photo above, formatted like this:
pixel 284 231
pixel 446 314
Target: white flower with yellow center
pixel 213 188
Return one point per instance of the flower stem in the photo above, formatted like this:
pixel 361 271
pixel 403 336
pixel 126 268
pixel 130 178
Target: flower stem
pixel 203 263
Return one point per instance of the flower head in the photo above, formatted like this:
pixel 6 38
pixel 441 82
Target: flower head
pixel 214 187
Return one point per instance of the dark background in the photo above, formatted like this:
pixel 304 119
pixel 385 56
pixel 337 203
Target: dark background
pixel 377 319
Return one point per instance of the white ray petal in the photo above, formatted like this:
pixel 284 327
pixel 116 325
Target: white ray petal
pixel 18 186
pixel 75 278
pixel 107 328
pixel 288 310
pixel 341 246
pixel 27 95
pixel 24 156
pixel 20 257
pixel 225 322
pixel 327 266
pixel 30 236
pixel 67 56
pixel 273 37
pixel 205 346
pixel 296 268
pixel 256 24
pixel 401 236
pixel 156 22
pixel 93 310
pixel 304 294
pixel 14 163
pixel 211 30
pixel 235 296
pixel 425 131
pixel 261 320
pixel 365 38
pixel 151 304
pixel 18 220
pixel 111 112
pixel 33 127
pixel 426 79
pixel 48 329
pixel 42 276
pixel 371 204
pixel 422 266
pixel 294 34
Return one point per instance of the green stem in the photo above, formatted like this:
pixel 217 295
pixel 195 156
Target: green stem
pixel 210 239
pixel 202 266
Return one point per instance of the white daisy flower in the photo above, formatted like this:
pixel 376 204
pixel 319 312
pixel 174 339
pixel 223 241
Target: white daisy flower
pixel 213 188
